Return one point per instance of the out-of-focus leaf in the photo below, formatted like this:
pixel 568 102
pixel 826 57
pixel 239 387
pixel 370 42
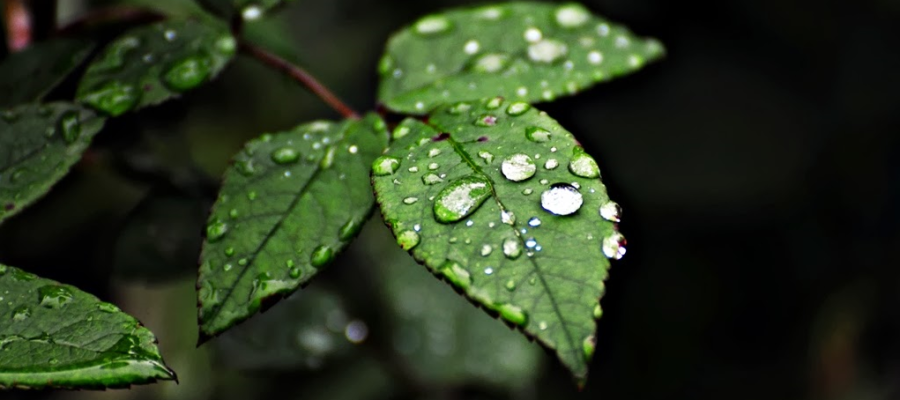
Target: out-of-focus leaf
pixel 250 10
pixel 54 335
pixel 500 200
pixel 523 51
pixel 150 64
pixel 28 75
pixel 288 205
pixel 38 146
pixel 160 238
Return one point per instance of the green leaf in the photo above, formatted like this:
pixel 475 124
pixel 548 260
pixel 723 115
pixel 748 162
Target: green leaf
pixel 289 203
pixel 38 146
pixel 523 51
pixel 250 10
pixel 509 209
pixel 151 64
pixel 303 331
pixel 29 75
pixel 54 335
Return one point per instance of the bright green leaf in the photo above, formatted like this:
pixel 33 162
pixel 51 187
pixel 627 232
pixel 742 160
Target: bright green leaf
pixel 509 209
pixel 54 335
pixel 289 204
pixel 150 64
pixel 523 51
pixel 27 76
pixel 38 146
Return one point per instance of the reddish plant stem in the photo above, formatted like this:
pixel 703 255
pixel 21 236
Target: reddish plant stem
pixel 300 75
pixel 18 25
pixel 102 16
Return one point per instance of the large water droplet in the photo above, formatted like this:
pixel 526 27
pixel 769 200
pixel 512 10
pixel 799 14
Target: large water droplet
pixel 611 211
pixel 537 134
pixel 547 51
pixel 432 25
pixel 583 164
pixel 518 108
pixel 70 126
pixel 408 239
pixel 456 274
pixel 512 314
pixel 321 255
pixel 512 249
pixel 188 73
pixel 614 246
pixel 113 98
pixel 285 155
pixel 21 313
pixel 461 198
pixel 518 167
pixel 385 165
pixel 571 15
pixel 54 296
pixel 216 230
pixel 561 199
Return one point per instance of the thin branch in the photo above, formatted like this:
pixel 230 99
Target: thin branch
pixel 300 75
pixel 18 25
pixel 102 16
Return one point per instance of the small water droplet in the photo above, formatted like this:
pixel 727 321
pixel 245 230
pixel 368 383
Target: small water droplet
pixel 433 166
pixel 113 98
pixel 461 198
pixel 227 267
pixel 251 195
pixel 537 134
pixel 413 169
pixel 70 126
pixel 226 45
pixel 494 103
pixel 614 246
pixel 215 230
pixel 486 120
pixel 547 51
pixel 588 346
pixel 561 199
pixel 488 271
pixel 431 179
pixel 595 57
pixel 469 223
pixel 296 273
pixel 356 331
pixel 108 308
pixel 571 15
pixel 350 229
pixel 611 211
pixel 583 165
pixel 188 73
pixel 518 108
pixel 602 29
pixel 533 35
pixel 328 158
pixel 471 47
pixel 512 314
pixel 598 312
pixel 512 249
pixel 233 213
pixel 510 285
pixel 321 256
pixel 490 63
pixel 408 239
pixel 459 108
pixel 242 262
pixel 432 25
pixel 21 313
pixel 385 165
pixel 486 250
pixel 507 217
pixel 54 296
pixel 456 274
pixel 551 164
pixel 229 251
pixel 518 167
pixel 534 222
pixel 527 191
pixel 486 156
pixel 542 325
pixel 410 200
pixel 285 155
pixel 251 12
pixel 170 35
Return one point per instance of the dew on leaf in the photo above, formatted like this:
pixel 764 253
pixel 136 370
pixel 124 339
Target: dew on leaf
pixel 21 313
pixel 285 155
pixel 494 103
pixel 251 12
pixel 611 211
pixel 408 239
pixel 356 331
pixel 547 51
pixel 431 179
pixel 486 120
pixel 486 250
pixel 533 35
pixel 583 165
pixel 588 346
pixel 459 108
pixel 327 158
pixel 486 156
pixel 226 45
pixel 518 167
pixel 432 25
pixel 471 47
pixel 595 57
pixel 490 63
pixel 518 108
pixel 534 222
pixel 614 246
pixel 70 126
pixel 598 312
pixel 349 229
pixel 461 198
pixel 571 15
pixel 229 251
pixel 551 164
pixel 385 165
pixel 113 98
pixel 188 73
pixel 527 191
pixel 413 169
pixel 488 271
pixel 227 267
pixel 512 249
pixel 295 273
pixel 433 166
pixel 510 285
pixel 456 274
pixel 507 217
pixel 108 307
pixel 216 230
pixel 561 199
pixel 512 313
pixel 54 296
pixel 251 195
pixel 537 134
pixel 410 200
pixel 321 255
pixel 170 35
pixel 434 153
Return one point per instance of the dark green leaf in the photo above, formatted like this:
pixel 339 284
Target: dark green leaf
pixel 54 335
pixel 150 64
pixel 303 331
pixel 38 146
pixel 160 238
pixel 289 204
pixel 250 10
pixel 523 51
pixel 509 209
pixel 27 76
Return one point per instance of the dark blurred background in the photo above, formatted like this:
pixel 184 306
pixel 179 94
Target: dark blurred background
pixel 758 167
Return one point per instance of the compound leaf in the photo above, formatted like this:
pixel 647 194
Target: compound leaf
pixel 38 146
pixel 499 200
pixel 29 75
pixel 523 51
pixel 54 335
pixel 289 203
pixel 151 64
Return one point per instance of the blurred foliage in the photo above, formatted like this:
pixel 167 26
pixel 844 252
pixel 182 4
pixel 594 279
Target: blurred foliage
pixel 758 166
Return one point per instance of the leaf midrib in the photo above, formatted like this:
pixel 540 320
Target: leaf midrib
pixel 459 150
